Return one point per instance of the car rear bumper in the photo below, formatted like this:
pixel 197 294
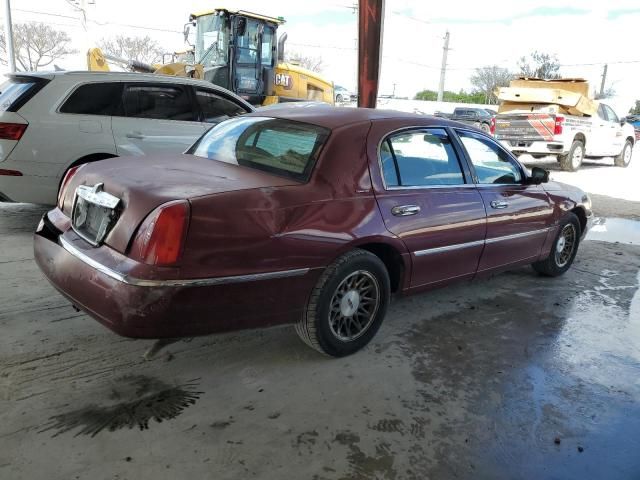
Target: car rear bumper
pixel 155 308
pixel 533 147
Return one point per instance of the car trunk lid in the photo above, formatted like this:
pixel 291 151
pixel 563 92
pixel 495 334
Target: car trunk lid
pixel 144 183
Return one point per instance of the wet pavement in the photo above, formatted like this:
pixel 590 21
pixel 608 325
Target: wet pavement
pixel 518 376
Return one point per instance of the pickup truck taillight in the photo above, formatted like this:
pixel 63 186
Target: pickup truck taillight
pixel 557 129
pixel 161 237
pixel 492 126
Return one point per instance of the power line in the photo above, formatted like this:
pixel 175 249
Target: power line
pixel 102 24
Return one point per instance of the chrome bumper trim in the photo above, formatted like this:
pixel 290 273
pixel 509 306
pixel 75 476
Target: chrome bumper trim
pixel 193 282
pixel 476 243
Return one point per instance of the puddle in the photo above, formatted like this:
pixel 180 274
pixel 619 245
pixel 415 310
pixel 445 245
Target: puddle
pixel 615 230
pixel 132 402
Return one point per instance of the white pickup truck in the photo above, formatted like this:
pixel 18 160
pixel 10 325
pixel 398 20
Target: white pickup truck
pixel 543 131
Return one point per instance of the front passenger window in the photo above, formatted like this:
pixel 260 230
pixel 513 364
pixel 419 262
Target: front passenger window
pixel 492 164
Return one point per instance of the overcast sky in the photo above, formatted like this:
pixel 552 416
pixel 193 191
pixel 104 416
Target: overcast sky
pixel 583 34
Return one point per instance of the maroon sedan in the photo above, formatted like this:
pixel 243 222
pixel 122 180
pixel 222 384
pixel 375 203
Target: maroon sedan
pixel 305 215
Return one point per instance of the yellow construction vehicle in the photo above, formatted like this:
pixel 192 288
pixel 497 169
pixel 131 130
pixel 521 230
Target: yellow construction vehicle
pixel 238 51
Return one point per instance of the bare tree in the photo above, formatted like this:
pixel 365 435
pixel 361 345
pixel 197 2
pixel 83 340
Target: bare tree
pixel 36 45
pixel 310 62
pixel 540 65
pixel 487 79
pixel 143 49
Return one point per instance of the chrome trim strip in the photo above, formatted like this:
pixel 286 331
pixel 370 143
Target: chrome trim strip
pixel 193 282
pixel 517 235
pixel 457 246
pixel 448 248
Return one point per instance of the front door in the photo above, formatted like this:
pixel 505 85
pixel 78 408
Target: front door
pixel 430 204
pixel 519 215
pixel 616 139
pixel 157 118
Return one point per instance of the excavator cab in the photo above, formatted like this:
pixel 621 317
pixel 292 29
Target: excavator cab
pixel 237 51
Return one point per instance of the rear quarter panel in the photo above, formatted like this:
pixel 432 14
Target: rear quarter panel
pixel 289 227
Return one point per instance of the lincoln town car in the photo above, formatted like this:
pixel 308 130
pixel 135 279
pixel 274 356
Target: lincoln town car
pixel 308 215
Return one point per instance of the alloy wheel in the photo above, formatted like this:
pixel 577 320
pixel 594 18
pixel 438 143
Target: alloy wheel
pixel 565 245
pixel 354 305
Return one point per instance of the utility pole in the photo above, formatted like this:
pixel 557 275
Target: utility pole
pixel 604 80
pixel 8 36
pixel 394 90
pixel 443 69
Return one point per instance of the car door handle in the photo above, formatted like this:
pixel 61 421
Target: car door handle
pixel 405 210
pixel 498 204
pixel 136 135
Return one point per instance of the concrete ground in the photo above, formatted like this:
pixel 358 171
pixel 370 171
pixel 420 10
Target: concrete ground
pixel 515 377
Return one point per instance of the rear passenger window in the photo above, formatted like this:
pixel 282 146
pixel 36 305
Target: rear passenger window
pixel 215 108
pixel 94 99
pixel 421 159
pixel 159 102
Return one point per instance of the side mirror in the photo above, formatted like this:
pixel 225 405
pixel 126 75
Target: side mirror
pixel 538 176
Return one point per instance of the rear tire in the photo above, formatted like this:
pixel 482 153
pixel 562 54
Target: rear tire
pixel 485 128
pixel 563 250
pixel 347 305
pixel 573 159
pixel 624 159
pixel 339 98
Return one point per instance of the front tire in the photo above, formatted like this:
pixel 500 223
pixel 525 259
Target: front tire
pixel 564 249
pixel 573 159
pixel 624 159
pixel 347 305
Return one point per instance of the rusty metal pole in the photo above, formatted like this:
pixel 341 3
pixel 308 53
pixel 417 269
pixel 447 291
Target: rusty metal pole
pixel 370 27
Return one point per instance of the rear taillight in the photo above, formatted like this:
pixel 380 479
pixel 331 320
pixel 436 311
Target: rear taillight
pixel 557 129
pixel 492 126
pixel 160 238
pixel 12 131
pixel 65 182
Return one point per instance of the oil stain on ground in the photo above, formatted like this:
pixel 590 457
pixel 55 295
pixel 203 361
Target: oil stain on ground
pixel 138 399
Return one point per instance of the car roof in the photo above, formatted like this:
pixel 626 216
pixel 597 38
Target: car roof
pixel 83 75
pixel 328 116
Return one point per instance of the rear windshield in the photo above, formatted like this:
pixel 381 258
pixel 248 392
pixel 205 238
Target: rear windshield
pixel 15 91
pixel 273 145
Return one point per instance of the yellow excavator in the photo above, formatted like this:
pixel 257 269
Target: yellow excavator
pixel 237 50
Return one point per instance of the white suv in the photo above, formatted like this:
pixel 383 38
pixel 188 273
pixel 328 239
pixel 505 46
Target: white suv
pixel 50 122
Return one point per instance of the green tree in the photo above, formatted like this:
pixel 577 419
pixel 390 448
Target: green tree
pixel 540 65
pixel 487 79
pixel 448 96
pixel 636 109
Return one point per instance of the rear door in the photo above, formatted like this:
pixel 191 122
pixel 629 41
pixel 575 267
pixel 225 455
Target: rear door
pixel 156 118
pixel 519 215
pixel 427 200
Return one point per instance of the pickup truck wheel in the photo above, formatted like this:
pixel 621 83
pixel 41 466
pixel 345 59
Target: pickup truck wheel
pixel 339 98
pixel 347 305
pixel 624 159
pixel 564 249
pixel 572 160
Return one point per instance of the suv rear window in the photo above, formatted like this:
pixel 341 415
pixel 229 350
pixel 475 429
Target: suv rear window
pixel 16 91
pixel 94 99
pixel 274 145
